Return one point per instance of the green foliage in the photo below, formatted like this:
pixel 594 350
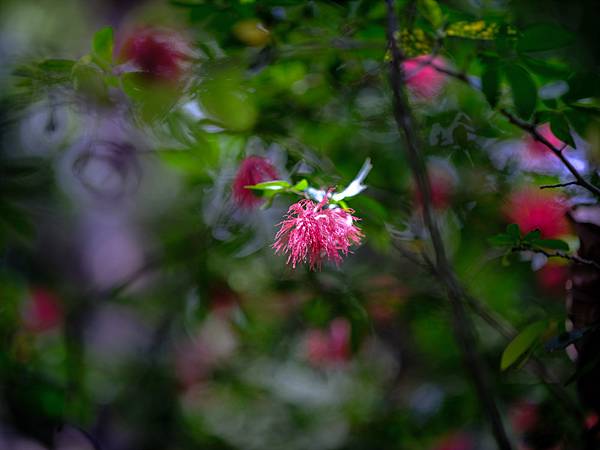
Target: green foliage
pixel 523 88
pixel 102 47
pixel 523 344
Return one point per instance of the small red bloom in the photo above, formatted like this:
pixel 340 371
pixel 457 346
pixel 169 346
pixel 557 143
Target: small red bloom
pixel 533 208
pixel 42 311
pixel 312 232
pixel 329 347
pixel 253 170
pixel 421 78
pixel 158 53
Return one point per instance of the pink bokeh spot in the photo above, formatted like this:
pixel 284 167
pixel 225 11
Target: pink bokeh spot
pixel 456 441
pixel 532 208
pixel 252 170
pixel 330 347
pixel 535 149
pixel 313 232
pixel 42 312
pixel 421 78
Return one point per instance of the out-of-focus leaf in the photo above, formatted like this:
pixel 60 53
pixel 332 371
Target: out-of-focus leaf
pixel 301 185
pixel 560 127
pixel 490 83
pixel 532 236
pixel 223 97
pixel 522 344
pixel 275 185
pixel 555 244
pixel 102 47
pixel 432 12
pixel 89 80
pixel 524 90
pixel 542 37
pixel 502 240
pixel 513 230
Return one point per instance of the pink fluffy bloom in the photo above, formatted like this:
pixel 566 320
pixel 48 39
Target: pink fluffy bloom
pixel 533 208
pixel 253 170
pixel 312 232
pixel 159 53
pixel 421 78
pixel 330 347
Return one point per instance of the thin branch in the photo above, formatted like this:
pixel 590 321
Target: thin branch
pixel 559 185
pixel 463 328
pixel 532 130
pixel 558 254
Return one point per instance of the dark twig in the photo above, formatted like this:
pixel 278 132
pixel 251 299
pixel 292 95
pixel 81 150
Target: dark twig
pixel 463 328
pixel 558 254
pixel 531 129
pixel 559 185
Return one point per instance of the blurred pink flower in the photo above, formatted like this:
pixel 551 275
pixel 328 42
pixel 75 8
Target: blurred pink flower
pixel 524 416
pixel 421 78
pixel 312 232
pixel 42 311
pixel 533 208
pixel 330 347
pixel 456 441
pixel 159 53
pixel 552 278
pixel 443 181
pixel 253 170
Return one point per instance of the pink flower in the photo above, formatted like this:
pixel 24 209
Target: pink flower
pixel 159 53
pixel 532 208
pixel 421 78
pixel 312 232
pixel 42 311
pixel 253 170
pixel 329 347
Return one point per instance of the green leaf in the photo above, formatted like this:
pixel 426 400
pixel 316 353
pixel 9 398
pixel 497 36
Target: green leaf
pixel 560 127
pixel 514 231
pixel 543 37
pixel 276 185
pixel 490 83
pixel 432 12
pixel 102 47
pixel 522 344
pixel 57 65
pixel 502 240
pixel 555 244
pixel 524 90
pixel 532 236
pixel 301 185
